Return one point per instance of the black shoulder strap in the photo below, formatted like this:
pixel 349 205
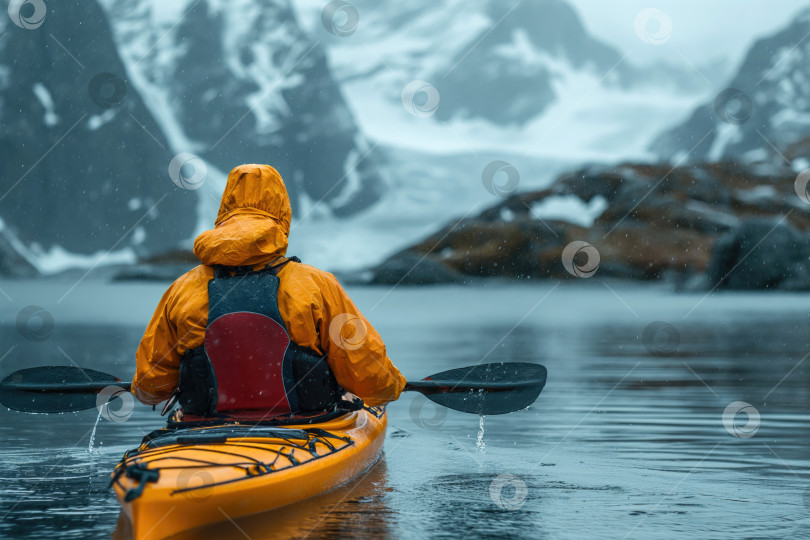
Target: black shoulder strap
pixel 221 271
pixel 279 263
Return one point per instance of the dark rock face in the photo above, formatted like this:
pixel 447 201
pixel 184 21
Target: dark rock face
pixel 769 94
pixel 77 166
pixel 657 223
pixel 758 254
pixel 408 268
pixel 12 263
pixel 247 85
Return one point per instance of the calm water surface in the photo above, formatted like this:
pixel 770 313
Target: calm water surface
pixel 627 440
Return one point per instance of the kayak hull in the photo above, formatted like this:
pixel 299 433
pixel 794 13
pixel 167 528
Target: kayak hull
pixel 218 473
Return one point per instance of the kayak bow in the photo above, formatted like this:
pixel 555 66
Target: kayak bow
pixel 180 479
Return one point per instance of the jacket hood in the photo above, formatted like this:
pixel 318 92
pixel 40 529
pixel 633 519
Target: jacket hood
pixel 253 223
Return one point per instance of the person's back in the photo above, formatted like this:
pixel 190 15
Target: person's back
pixel 317 319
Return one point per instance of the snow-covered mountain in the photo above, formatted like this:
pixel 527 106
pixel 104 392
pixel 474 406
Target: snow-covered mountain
pixel 522 77
pixel 516 65
pixel 82 160
pixel 337 112
pixel 386 50
pixel 93 112
pixel 238 81
pixel 764 109
pixel 500 61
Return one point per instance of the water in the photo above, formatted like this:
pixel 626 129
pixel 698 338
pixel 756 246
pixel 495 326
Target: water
pixel 480 445
pixel 622 443
pixel 91 444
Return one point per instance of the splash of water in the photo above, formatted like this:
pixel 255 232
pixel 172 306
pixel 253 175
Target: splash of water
pixel 93 433
pixel 479 442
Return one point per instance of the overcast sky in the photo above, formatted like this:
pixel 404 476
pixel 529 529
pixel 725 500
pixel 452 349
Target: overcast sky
pixel 701 30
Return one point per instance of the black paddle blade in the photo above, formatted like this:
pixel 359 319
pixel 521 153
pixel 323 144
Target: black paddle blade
pixel 498 388
pixel 55 389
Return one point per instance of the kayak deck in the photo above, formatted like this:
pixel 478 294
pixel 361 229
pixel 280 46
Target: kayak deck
pixel 180 479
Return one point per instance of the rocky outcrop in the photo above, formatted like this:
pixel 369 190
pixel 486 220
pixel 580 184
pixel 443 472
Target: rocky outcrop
pixel 410 268
pixel 12 262
pixel 641 222
pixel 761 254
pixel 82 160
pixel 162 267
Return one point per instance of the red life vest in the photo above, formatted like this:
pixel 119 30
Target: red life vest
pixel 248 365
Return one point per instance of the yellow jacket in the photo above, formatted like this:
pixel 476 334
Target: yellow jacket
pixel 252 229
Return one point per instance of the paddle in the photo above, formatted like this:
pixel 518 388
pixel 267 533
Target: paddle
pixel 484 389
pixel 55 389
pixel 498 388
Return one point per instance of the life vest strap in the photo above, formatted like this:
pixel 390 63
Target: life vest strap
pixel 273 266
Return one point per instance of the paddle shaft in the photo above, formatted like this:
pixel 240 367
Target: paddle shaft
pixel 443 387
pixel 90 387
pixel 423 387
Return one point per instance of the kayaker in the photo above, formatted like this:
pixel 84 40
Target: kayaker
pixel 251 331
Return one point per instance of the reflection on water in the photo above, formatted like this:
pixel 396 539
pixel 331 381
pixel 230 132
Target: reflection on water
pixel 628 440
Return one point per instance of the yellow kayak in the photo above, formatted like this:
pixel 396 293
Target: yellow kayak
pixel 181 478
